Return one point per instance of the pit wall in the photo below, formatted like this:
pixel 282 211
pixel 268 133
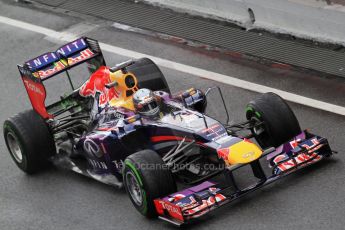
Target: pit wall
pixel 319 20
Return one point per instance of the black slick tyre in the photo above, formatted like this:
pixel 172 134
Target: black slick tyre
pixel 145 179
pixel 29 141
pixel 279 122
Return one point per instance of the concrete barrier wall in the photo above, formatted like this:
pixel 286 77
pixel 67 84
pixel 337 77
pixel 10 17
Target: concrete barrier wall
pixel 312 19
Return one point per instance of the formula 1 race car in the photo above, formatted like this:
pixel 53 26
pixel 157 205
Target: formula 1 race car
pixel 123 127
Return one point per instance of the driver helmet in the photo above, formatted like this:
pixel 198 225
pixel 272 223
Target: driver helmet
pixel 145 103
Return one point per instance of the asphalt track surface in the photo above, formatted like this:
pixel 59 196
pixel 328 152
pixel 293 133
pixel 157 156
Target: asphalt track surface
pixel 57 199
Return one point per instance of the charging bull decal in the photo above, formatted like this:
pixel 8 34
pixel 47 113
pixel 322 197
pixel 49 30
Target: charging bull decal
pixel 96 83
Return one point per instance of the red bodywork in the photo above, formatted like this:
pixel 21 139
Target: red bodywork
pixel 190 203
pixel 36 92
pixel 96 83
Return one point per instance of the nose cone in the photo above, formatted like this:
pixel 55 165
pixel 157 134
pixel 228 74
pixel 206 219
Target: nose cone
pixel 243 152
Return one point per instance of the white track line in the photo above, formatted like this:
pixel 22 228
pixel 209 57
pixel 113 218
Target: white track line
pixel 184 68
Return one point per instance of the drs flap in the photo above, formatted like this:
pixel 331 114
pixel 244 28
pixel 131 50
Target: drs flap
pixel 71 54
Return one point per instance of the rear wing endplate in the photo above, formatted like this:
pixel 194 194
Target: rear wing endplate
pixel 47 65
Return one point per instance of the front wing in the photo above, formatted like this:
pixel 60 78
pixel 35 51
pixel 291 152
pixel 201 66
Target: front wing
pixel 182 207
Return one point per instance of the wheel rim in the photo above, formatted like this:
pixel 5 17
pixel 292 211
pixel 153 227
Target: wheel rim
pixel 134 188
pixel 258 130
pixel 261 133
pixel 14 147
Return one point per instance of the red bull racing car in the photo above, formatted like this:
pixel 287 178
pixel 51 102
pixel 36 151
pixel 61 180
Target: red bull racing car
pixel 123 127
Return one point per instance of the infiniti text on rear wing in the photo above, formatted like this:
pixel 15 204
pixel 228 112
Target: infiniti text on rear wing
pixel 50 64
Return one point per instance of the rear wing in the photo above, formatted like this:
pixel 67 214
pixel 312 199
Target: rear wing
pixel 50 64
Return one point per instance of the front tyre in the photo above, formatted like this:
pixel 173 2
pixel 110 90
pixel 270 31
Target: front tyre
pixel 146 178
pixel 279 122
pixel 29 141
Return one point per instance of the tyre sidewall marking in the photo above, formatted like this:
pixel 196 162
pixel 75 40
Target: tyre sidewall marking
pixel 137 175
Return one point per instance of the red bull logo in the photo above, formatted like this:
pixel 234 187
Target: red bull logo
pixel 96 83
pixel 57 66
pixel 85 54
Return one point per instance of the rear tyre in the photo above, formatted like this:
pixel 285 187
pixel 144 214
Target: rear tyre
pixel 149 75
pixel 29 141
pixel 145 179
pixel 279 122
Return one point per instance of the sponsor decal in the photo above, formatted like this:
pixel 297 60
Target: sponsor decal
pixel 248 155
pixel 98 164
pixel 204 207
pixel 72 47
pixel 56 67
pixel 244 152
pixel 300 159
pixel 42 61
pixel 92 148
pixel 37 95
pixel 212 129
pixel 85 54
pixel 214 132
pixel 173 210
pixel 33 87
pixel 118 164
pixel 119 115
pixel 170 207
pixel 55 59
pixel 96 83
pixel 189 206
